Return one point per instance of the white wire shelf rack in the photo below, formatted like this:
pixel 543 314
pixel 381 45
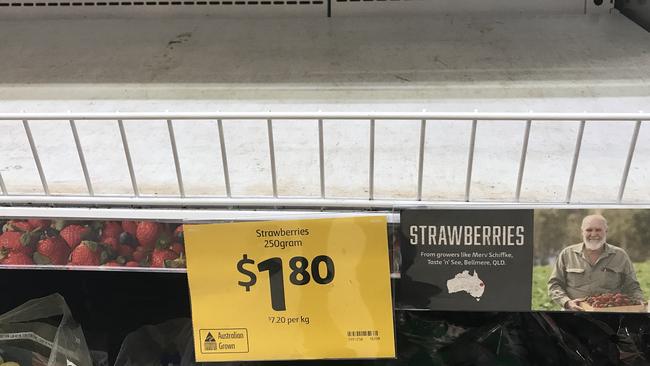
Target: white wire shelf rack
pixel 522 125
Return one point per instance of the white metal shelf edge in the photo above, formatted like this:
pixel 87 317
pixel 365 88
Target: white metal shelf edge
pixel 483 116
pixel 181 215
pixel 328 199
pixel 193 215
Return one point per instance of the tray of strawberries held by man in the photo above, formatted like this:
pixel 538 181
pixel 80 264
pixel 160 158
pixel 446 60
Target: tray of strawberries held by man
pixel 613 303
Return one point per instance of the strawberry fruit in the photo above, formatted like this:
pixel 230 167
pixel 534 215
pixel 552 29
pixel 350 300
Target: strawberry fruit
pixel 141 255
pixel 111 243
pixel 18 225
pixel 112 264
pixel 111 229
pixel 17 242
pixel 125 251
pixel 87 253
pixel 159 256
pixel 147 233
pixel 178 248
pixel 38 224
pixel 130 227
pixel 74 234
pixel 53 250
pixel 15 259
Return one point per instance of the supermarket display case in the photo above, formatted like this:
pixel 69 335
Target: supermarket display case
pixel 203 111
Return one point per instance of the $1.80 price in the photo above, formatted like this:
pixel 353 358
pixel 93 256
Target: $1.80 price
pixel 300 274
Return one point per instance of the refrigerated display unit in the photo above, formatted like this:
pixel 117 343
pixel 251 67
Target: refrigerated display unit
pixel 205 111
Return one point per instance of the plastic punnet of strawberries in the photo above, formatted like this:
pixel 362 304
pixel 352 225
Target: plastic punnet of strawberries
pixel 92 243
pixel 608 300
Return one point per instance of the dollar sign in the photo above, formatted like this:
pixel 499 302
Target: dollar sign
pixel 245 272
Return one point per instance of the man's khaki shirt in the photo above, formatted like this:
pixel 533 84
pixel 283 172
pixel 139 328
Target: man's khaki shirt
pixel 574 277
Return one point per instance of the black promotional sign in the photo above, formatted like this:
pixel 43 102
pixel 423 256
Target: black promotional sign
pixel 466 260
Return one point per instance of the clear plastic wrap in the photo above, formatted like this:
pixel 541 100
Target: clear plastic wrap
pixel 169 343
pixel 455 339
pixel 42 332
pixel 166 344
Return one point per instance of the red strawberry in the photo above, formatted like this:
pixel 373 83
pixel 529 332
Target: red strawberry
pixel 111 243
pixel 147 233
pixel 178 248
pixel 111 229
pixel 125 251
pixel 39 224
pixel 16 259
pixel 130 227
pixel 87 253
pixel 74 234
pixel 17 242
pixel 141 254
pixel 18 225
pixel 159 257
pixel 132 264
pixel 112 264
pixel 52 250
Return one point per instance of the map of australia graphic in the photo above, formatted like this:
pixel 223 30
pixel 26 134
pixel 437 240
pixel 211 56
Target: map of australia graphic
pixel 471 284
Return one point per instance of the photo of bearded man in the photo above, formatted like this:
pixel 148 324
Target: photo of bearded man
pixel 591 268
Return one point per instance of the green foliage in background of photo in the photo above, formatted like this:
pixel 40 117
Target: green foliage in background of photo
pixel 556 229
pixel 541 300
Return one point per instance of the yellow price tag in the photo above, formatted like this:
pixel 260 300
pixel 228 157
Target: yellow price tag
pixel 283 290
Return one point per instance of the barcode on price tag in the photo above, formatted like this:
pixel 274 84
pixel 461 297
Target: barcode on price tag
pixel 363 333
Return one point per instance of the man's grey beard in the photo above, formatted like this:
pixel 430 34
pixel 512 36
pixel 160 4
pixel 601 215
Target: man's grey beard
pixel 594 244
